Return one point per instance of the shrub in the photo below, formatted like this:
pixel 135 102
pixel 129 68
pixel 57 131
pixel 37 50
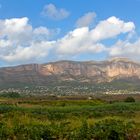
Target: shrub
pixel 84 130
pixel 32 132
pixel 129 99
pixel 112 130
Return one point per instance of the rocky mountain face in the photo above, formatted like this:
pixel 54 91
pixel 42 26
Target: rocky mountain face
pixel 89 71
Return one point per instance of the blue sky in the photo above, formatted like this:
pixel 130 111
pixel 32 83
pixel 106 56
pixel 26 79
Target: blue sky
pixel 51 30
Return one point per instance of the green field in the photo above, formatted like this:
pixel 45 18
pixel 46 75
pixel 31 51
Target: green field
pixel 44 118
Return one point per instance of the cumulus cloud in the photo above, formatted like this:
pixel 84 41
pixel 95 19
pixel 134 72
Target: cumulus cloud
pixel 32 53
pixel 125 49
pixel 86 20
pixel 52 12
pixel 78 41
pixel 110 28
pixel 21 43
pixel 83 40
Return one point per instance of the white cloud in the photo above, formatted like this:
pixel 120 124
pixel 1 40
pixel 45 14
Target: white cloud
pixel 17 29
pixel 83 40
pixel 21 43
pixel 54 13
pixel 42 30
pixel 126 49
pixel 43 33
pixel 4 43
pixel 29 54
pixel 86 20
pixel 78 41
pixel 110 28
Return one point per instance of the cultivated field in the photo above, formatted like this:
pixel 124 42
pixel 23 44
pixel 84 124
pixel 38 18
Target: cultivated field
pixel 70 118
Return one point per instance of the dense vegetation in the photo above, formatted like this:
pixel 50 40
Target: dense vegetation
pixel 43 119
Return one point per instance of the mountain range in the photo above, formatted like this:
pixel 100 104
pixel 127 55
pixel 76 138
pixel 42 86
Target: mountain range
pixel 64 71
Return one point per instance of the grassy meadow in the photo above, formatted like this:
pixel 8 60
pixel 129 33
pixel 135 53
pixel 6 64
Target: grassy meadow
pixel 48 118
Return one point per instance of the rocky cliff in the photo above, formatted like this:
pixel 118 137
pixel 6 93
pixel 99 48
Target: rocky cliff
pixel 89 71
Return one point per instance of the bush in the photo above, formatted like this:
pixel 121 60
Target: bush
pixel 32 132
pixel 112 130
pixel 24 132
pixel 84 130
pixel 108 129
pixel 129 99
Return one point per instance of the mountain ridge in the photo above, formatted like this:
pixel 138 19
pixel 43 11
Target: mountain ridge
pixel 67 70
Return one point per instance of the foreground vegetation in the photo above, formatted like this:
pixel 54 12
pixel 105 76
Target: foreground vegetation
pixel 43 119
